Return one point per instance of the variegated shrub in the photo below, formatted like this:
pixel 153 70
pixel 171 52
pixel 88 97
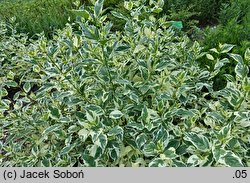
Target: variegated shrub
pixel 144 96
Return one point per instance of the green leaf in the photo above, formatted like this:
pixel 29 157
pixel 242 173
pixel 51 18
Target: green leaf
pixel 34 150
pixel 89 161
pixel 145 114
pixel 83 134
pixel 163 64
pixel 116 131
pixel 142 63
pixel 26 87
pixel 216 116
pixel 10 84
pixel 199 141
pixel 87 32
pixel 3 92
pixel 139 48
pixel 54 112
pixel 193 160
pixel 102 141
pixel 51 129
pixel 73 129
pixel 158 162
pixel 170 153
pixel 220 63
pixel 11 75
pixel 136 126
pixel 150 149
pixel 80 116
pixel 183 113
pixel 241 70
pixel 225 48
pixel 214 50
pixel 209 56
pixel 237 58
pixel 96 151
pixel 175 143
pixel 128 5
pixel 36 68
pixel 91 116
pixel 160 3
pixel 114 150
pixel 242 117
pixel 141 140
pixel 4 106
pixel 116 114
pixel 95 109
pixel 67 149
pixel 229 77
pixel 114 153
pixel 177 163
pixel 224 132
pixel 45 88
pixel 231 160
pixel 46 162
pixel 119 15
pixel 160 134
pixel 122 48
pixel 18 104
pixel 81 13
pixel 158 10
pixel 232 95
pixel 247 55
pixel 218 153
pixel 98 8
pixel 65 120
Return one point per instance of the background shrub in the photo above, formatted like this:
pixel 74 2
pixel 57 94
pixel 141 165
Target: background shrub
pixel 194 12
pixel 35 16
pixel 233 27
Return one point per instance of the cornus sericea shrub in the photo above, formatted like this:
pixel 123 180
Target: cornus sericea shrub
pixel 140 97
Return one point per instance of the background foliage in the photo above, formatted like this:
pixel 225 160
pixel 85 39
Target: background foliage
pixel 35 16
pixel 203 12
pixel 233 27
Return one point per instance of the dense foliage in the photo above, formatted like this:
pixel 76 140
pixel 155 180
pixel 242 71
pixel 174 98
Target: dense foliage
pixel 35 16
pixel 203 12
pixel 233 27
pixel 143 96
